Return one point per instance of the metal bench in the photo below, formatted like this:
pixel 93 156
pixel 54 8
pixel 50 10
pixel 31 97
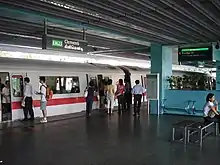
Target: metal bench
pixel 190 106
pixel 182 125
pixel 200 128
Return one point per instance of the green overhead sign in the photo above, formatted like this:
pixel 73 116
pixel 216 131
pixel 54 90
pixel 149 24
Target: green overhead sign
pixel 195 54
pixel 61 43
pixel 57 43
pixel 194 49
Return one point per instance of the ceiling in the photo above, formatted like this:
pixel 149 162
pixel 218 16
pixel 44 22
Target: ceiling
pixel 116 27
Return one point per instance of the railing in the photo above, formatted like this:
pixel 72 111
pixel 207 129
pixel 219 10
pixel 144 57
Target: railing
pixel 189 108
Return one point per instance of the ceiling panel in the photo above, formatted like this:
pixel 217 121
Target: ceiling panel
pixel 116 24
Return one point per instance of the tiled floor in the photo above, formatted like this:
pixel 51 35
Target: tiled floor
pixel 103 140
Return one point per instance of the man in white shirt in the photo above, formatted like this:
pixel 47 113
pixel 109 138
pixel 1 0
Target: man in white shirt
pixel 28 99
pixel 43 100
pixel 137 91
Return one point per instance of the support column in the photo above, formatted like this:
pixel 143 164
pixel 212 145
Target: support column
pixel 217 75
pixel 161 62
pixel 216 57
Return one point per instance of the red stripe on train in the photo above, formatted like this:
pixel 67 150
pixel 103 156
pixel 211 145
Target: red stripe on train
pixel 53 102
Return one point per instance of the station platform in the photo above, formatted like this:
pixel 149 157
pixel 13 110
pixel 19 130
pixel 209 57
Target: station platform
pixel 103 140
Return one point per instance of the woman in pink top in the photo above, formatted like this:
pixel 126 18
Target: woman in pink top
pixel 120 95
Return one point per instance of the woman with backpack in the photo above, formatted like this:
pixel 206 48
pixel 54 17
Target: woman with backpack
pixel 89 95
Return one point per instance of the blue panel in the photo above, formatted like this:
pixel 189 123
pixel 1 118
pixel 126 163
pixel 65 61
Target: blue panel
pixel 153 107
pixel 177 101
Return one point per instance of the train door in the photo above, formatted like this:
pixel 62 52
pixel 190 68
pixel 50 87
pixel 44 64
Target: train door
pixel 142 81
pixel 100 82
pixel 87 79
pixel 17 88
pixel 101 91
pixel 142 84
pixel 94 79
pixel 5 97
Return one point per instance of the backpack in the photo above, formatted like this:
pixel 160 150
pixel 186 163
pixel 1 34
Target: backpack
pixel 49 92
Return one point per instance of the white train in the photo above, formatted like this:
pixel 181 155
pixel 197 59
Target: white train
pixel 68 81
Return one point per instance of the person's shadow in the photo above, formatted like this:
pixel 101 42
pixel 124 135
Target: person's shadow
pixel 136 127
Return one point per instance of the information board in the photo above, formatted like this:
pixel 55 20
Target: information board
pixel 61 43
pixel 152 86
pixel 195 54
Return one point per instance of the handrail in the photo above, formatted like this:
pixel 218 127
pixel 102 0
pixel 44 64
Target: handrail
pixel 189 108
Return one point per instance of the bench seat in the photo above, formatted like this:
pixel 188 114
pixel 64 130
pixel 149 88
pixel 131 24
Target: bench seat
pixel 200 128
pixel 182 125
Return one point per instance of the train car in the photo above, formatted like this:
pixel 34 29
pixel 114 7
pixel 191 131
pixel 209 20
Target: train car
pixel 67 80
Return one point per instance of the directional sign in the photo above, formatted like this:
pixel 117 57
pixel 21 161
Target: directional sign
pixel 61 43
pixel 195 54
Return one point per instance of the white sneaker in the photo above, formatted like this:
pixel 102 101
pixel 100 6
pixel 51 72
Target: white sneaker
pixel 44 120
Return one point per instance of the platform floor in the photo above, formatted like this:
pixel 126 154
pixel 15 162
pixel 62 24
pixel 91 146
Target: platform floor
pixel 103 140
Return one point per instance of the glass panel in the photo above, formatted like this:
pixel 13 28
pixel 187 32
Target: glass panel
pixel 17 85
pixel 69 84
pixel 75 85
pixel 62 85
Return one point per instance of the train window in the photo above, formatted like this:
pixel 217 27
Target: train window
pixel 75 85
pixel 17 85
pixel 62 85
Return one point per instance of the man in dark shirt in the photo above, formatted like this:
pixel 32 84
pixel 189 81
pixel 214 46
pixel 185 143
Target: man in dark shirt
pixel 102 94
pixel 128 96
pixel 89 99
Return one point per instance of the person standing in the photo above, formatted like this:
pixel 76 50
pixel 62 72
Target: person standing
pixel 137 91
pixel 120 95
pixel 6 101
pixel 43 100
pixel 28 99
pixel 90 97
pixel 110 92
pixel 127 96
pixel 102 94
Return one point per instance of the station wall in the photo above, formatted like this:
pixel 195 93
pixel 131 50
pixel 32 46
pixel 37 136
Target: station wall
pixel 177 101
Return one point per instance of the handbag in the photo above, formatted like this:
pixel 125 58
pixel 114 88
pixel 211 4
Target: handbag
pixel 23 103
pixel 85 93
pixel 211 114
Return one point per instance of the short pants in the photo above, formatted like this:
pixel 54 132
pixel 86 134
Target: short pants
pixel 43 105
